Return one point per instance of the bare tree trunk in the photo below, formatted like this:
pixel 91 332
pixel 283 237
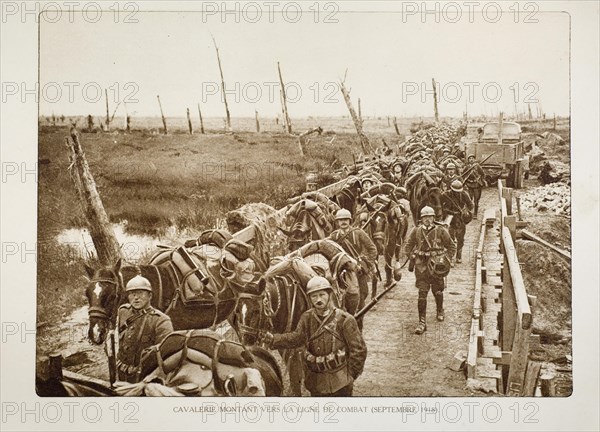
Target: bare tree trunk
pixel 103 236
pixel 302 137
pixel 360 112
pixel 107 113
pixel 162 115
pixel 500 123
pixel 257 122
pixel 396 126
pixel 283 123
pixel 189 121
pixel 284 102
pixel 388 119
pixel 554 122
pixel 364 141
pixel 201 121
pixel 529 109
pixel 435 105
pixel 223 86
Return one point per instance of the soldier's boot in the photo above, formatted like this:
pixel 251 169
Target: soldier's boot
pixel 458 256
pixel 422 307
pixel 476 208
pixel 439 302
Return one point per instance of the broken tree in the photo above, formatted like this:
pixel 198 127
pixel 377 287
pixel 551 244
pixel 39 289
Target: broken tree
pixel 105 242
pixel 228 117
pixel 162 115
pixel 364 141
pixel 286 115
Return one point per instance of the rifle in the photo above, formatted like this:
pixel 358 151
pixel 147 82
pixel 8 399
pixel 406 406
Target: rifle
pixel 462 176
pixel 373 302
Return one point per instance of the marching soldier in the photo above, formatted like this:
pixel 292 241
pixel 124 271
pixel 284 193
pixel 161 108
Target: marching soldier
pixel 140 326
pixel 474 180
pixel 335 349
pixel 429 248
pixel 359 246
pixel 450 175
pixel 456 202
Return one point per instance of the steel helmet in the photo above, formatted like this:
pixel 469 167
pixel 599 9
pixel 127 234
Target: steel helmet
pixel 401 190
pixel 343 214
pixel 317 283
pixel 470 156
pixel 427 211
pixel 450 166
pixel 456 186
pixel 397 272
pixel 138 283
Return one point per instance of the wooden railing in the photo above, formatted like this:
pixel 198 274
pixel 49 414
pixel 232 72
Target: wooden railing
pixel 519 374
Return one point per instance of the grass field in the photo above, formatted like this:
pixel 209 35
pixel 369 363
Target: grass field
pixel 156 182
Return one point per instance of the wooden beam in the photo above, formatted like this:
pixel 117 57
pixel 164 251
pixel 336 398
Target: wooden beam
pixel 519 359
pixel 531 378
pixel 548 384
pixel 530 236
pixel 472 351
pixel 516 277
pixel 477 293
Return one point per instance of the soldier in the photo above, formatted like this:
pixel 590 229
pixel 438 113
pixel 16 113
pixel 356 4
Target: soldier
pixel 335 349
pixel 359 246
pixel 426 244
pixel 450 175
pixel 140 326
pixel 474 180
pixel 456 202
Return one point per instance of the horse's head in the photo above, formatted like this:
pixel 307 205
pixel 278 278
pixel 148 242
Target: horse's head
pixel 104 291
pixel 344 271
pixel 434 195
pixel 298 235
pixel 251 313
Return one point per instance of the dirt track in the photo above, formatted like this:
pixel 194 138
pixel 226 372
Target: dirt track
pixel 400 363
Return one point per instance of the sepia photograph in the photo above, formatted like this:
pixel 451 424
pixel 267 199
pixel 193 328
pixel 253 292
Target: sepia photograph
pixel 362 208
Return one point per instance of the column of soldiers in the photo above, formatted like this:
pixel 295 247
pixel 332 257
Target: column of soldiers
pixel 327 332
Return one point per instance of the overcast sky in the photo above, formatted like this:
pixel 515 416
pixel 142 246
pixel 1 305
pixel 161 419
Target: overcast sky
pixel 390 64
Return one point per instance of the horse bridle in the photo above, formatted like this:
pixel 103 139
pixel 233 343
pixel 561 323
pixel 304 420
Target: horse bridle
pixel 100 312
pixel 266 313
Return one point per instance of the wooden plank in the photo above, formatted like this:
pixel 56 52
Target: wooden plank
pixel 509 312
pixel 74 376
pixel 511 223
pixel 489 216
pixel 504 358
pixel 516 277
pixel 477 293
pixel 531 378
pixel 472 351
pixel 518 362
pixel 530 236
pixel 508 196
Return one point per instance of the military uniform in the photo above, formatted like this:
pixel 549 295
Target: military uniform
pixel 422 243
pixel 335 351
pixel 138 330
pixel 454 203
pixel 359 246
pixel 474 181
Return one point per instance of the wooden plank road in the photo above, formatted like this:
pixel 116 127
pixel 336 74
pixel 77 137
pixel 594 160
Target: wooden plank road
pixel 401 363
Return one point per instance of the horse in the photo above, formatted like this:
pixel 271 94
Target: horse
pixel 306 221
pixel 200 298
pixel 276 303
pixel 423 191
pixel 348 196
pixel 386 223
pixel 186 363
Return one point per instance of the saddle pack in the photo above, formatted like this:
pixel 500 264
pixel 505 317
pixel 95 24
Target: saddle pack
pixel 438 263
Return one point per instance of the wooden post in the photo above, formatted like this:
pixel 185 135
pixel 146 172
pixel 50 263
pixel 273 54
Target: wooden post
pixel 286 115
pixel 548 384
pixel 162 115
pixel 103 236
pixel 500 123
pixel 189 121
pixel 435 104
pixel 518 201
pixel 554 122
pixel 223 86
pixel 364 141
pixel 55 367
pixel 531 378
pixel 508 194
pixel 257 122
pixel 396 126
pixel 201 121
pixel 107 113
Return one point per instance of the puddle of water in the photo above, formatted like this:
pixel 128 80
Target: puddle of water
pixel 134 247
